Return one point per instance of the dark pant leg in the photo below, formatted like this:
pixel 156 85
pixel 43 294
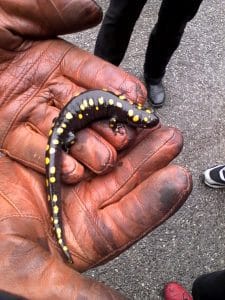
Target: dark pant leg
pixel 116 29
pixel 166 35
pixel 8 296
pixel 209 286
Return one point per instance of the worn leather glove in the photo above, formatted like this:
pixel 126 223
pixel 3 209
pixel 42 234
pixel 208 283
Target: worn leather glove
pixel 102 217
pixel 38 77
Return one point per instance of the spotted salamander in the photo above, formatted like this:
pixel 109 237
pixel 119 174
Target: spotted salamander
pixel 77 114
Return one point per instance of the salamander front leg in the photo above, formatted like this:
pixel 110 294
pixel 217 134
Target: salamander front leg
pixel 68 141
pixel 113 123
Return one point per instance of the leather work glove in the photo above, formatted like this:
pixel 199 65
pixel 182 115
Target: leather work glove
pixel 38 77
pixel 101 218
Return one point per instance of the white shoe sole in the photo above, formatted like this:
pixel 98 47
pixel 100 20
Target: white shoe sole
pixel 211 183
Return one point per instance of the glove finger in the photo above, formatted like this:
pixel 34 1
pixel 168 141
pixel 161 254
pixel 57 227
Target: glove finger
pixel 90 149
pixel 146 207
pixel 124 137
pixel 149 155
pixel 45 19
pixel 32 151
pixel 115 227
pixel 120 139
pixel 92 72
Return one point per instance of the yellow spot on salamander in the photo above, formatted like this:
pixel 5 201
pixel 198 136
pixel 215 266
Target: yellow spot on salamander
pixel 91 102
pixel 96 108
pixel 119 104
pixel 60 241
pixel 50 132
pixel 58 232
pixel 47 160
pixel 139 106
pixel 46 182
pixel 56 221
pixel 63 125
pixel 55 209
pixel 54 198
pixel 55 142
pixel 130 112
pixel 148 111
pixel 82 107
pixel 122 97
pixel 145 119
pixel 47 147
pixel 52 150
pixel 85 103
pixel 52 179
pixel 69 116
pixel 49 198
pixel 101 100
pixel 65 248
pixel 111 101
pixel 80 116
pixel 135 118
pixel 60 130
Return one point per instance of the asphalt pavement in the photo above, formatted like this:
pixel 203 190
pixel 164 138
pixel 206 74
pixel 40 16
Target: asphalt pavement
pixel 192 241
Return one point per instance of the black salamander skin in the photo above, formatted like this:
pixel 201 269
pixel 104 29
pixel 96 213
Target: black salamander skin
pixel 77 114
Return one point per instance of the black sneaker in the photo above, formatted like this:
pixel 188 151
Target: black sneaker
pixel 156 94
pixel 215 176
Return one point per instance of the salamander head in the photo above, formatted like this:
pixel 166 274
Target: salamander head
pixel 143 118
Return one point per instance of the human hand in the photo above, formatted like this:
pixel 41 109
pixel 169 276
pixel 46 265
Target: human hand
pixel 101 217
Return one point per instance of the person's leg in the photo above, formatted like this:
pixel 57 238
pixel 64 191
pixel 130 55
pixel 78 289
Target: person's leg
pixel 116 29
pixel 166 35
pixel 209 286
pixel 8 296
pixel 164 40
